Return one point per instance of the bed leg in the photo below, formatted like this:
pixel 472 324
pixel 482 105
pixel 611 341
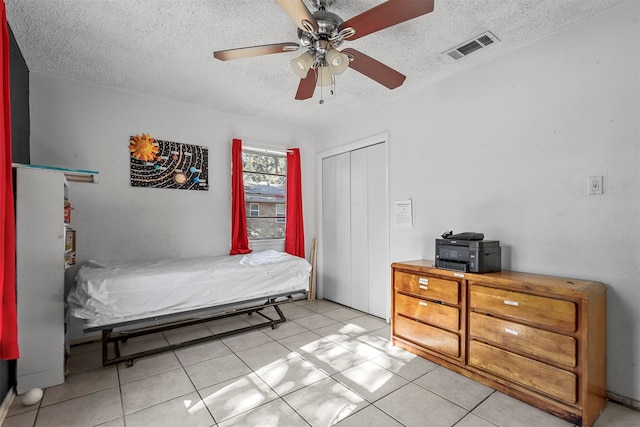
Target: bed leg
pixel 105 346
pixel 282 318
pixel 116 348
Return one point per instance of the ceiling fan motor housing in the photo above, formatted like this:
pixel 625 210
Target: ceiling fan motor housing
pixel 322 4
pixel 328 24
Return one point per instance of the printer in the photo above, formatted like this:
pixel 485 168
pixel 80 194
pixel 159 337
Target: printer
pixel 468 252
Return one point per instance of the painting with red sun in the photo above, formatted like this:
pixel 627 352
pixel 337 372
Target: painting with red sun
pixel 166 164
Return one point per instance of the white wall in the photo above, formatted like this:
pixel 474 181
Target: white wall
pixel 84 126
pixel 506 149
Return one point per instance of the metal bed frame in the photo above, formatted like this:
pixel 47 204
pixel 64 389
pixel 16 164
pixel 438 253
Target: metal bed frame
pixel 164 323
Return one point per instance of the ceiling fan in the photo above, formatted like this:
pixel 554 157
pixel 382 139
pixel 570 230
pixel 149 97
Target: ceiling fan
pixel 321 33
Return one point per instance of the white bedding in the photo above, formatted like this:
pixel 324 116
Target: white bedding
pixel 106 293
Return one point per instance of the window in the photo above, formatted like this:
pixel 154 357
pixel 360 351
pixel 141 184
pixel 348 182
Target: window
pixel 265 177
pixel 280 213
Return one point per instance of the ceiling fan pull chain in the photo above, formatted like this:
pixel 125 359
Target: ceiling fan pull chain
pixel 319 76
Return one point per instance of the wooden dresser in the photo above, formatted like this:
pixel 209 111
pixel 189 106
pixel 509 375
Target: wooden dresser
pixel 540 339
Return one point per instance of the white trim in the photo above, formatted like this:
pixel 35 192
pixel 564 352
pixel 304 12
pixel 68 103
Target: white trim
pixel 262 149
pixel 372 140
pixel 382 138
pixel 266 151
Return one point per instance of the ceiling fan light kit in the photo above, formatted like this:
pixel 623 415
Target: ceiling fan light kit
pixel 325 78
pixel 338 61
pixel 302 64
pixel 322 33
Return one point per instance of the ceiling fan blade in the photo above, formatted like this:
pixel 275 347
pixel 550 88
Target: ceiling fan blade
pixel 373 69
pixel 299 13
pixel 387 14
pixel 247 52
pixel 307 85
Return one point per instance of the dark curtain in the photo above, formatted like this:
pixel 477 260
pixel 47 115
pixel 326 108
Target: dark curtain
pixel 8 317
pixel 239 237
pixel 294 234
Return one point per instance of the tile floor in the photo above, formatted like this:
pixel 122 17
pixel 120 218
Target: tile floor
pixel 326 365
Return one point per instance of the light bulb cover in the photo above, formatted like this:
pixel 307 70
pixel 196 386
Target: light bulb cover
pixel 339 64
pixel 325 78
pixel 301 64
pixel 333 57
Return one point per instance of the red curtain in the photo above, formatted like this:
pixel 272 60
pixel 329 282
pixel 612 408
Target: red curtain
pixel 294 234
pixel 8 317
pixel 239 237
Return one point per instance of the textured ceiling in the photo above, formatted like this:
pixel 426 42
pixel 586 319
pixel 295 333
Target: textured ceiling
pixel 164 48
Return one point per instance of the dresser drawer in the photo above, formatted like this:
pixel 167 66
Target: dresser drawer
pixel 428 287
pixel 546 379
pixel 427 336
pixel 551 346
pixel 531 308
pixel 428 312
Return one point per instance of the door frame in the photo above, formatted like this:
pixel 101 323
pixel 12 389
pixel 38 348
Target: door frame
pixel 381 138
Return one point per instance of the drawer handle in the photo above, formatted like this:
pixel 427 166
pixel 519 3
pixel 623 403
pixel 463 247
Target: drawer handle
pixel 422 303
pixel 424 287
pixel 511 331
pixel 508 302
pixel 423 281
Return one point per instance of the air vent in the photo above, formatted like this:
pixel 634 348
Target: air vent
pixel 470 46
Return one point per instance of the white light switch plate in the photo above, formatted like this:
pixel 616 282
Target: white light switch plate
pixel 595 185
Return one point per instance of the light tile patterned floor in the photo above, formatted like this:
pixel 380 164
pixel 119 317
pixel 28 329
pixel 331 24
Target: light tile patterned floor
pixel 326 365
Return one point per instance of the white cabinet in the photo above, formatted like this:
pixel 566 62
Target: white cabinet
pixel 40 266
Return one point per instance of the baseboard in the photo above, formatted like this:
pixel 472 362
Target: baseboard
pixel 6 404
pixel 625 401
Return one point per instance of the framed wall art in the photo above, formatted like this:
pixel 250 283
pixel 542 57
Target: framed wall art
pixel 166 164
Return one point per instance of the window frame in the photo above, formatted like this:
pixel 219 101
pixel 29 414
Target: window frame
pixel 277 219
pixel 251 210
pixel 281 218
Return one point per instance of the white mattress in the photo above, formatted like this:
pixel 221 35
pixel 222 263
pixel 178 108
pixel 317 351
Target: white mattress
pixel 107 293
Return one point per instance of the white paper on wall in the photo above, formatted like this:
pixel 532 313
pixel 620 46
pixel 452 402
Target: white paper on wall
pixel 402 214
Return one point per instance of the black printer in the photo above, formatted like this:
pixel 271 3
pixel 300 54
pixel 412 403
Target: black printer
pixel 468 252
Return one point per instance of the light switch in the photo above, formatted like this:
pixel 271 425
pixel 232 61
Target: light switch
pixel 595 185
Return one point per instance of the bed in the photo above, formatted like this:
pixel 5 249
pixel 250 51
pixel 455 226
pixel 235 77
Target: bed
pixel 124 300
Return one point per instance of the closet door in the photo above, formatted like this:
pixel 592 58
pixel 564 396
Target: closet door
pixel 336 242
pixel 329 279
pixel 369 269
pixel 355 268
pixel 359 230
pixel 377 233
pixel 343 229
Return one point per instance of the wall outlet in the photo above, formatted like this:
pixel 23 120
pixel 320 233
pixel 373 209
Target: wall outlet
pixel 595 185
